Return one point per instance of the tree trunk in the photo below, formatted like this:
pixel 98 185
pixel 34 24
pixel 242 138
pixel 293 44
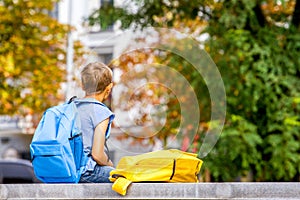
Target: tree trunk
pixel 296 15
pixel 259 15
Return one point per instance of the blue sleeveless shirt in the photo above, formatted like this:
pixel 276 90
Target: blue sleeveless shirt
pixel 91 114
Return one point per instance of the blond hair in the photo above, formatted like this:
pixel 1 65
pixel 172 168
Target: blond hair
pixel 95 77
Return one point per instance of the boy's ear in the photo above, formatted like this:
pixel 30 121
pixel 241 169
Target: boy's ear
pixel 110 86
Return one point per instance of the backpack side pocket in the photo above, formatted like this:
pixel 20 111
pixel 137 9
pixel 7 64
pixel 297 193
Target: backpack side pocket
pixel 77 149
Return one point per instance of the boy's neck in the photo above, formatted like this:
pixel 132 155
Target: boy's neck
pixel 98 97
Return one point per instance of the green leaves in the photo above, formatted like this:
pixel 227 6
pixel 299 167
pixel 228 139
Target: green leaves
pixel 107 15
pixel 256 50
pixel 261 78
pixel 236 150
pixel 284 156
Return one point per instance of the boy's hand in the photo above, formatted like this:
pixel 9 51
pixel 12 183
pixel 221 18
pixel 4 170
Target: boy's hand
pixel 110 163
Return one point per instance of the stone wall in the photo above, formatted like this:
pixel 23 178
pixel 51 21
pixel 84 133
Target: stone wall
pixel 236 190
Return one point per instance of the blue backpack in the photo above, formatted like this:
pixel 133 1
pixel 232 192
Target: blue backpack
pixel 57 148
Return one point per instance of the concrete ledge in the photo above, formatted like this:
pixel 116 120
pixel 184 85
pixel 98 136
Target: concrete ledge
pixel 236 190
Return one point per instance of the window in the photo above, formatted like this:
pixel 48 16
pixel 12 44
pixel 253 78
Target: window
pixel 54 12
pixel 106 2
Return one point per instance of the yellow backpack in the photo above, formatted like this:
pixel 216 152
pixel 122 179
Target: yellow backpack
pixel 159 166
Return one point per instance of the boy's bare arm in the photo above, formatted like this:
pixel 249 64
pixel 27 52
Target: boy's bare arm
pixel 98 152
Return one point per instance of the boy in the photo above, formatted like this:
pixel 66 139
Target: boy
pixel 96 120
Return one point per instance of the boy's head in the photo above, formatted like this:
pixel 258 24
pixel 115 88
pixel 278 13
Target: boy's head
pixel 95 77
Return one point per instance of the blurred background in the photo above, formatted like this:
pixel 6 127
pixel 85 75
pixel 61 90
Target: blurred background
pixel 255 45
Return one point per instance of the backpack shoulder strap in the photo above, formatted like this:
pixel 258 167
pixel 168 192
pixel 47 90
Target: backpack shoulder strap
pixel 72 99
